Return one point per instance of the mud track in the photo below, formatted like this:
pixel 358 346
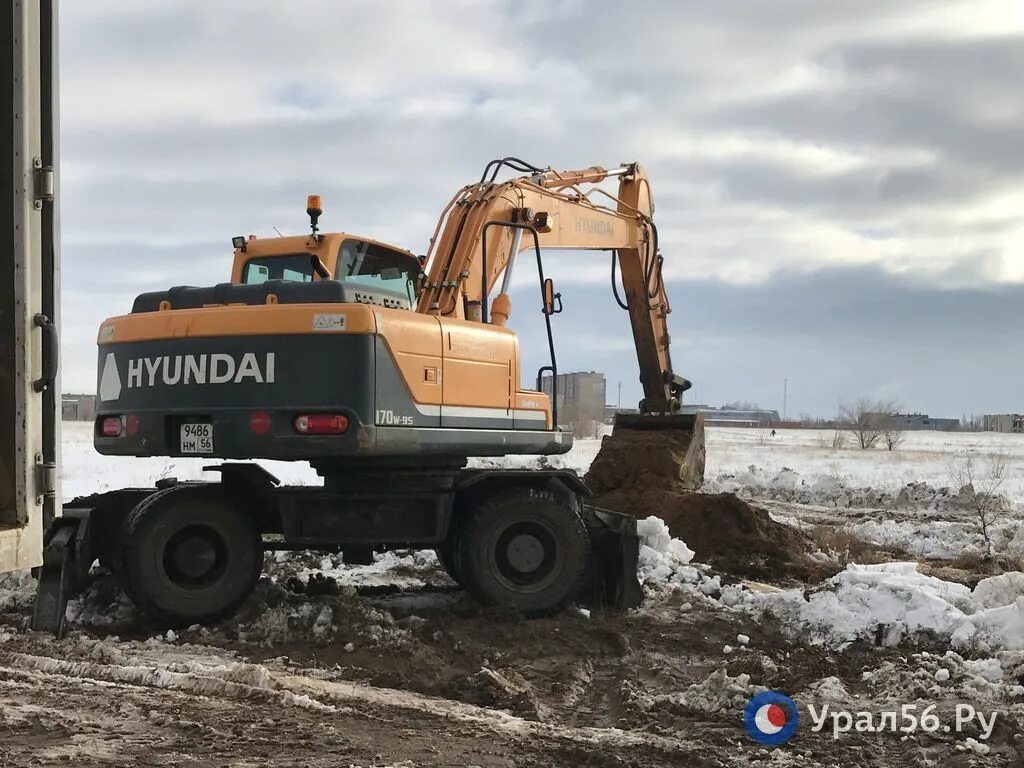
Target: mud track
pixel 430 679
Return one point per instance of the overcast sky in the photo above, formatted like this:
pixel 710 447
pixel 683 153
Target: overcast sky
pixel 838 186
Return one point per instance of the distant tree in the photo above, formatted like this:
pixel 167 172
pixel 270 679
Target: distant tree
pixel 892 428
pixel 980 483
pixel 587 429
pixel 866 420
pixel 973 423
pixel 892 434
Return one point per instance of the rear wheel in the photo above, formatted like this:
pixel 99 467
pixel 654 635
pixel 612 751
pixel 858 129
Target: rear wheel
pixel 189 556
pixel 525 548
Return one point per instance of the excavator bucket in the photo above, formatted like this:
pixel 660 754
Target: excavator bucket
pixel 650 451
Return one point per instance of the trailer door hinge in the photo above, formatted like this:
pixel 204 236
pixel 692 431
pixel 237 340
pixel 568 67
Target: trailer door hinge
pixel 46 477
pixel 44 183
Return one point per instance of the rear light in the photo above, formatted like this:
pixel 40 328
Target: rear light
pixel 259 422
pixel 112 426
pixel 132 424
pixel 321 424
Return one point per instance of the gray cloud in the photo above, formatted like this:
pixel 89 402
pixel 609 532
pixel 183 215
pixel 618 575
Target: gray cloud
pixel 815 164
pixel 835 334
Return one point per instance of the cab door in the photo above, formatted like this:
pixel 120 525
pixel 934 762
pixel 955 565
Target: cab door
pixel 29 427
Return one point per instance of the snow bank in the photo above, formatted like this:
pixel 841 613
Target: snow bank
pixel 662 557
pixel 716 694
pixel 887 603
pixel 997 591
pixel 17 591
pixel 835 491
pixel 654 534
pixel 405 570
pixel 940 540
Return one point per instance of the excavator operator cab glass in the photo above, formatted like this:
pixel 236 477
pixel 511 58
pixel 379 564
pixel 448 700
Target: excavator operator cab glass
pixel 378 266
pixel 369 264
pixel 295 266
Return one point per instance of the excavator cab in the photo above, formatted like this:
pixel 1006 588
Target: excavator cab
pixel 379 272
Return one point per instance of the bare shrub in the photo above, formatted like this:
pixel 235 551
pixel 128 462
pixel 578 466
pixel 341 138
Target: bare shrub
pixel 843 547
pixel 834 440
pixel 892 434
pixel 838 439
pixel 587 429
pixel 980 481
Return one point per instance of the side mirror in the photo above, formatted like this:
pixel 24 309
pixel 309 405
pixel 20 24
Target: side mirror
pixel 552 300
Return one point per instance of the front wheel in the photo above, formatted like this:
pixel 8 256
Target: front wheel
pixel 525 548
pixel 189 556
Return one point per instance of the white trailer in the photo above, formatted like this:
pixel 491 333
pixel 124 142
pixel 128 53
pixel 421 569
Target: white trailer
pixel 29 281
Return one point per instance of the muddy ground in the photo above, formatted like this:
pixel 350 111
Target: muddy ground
pixel 313 674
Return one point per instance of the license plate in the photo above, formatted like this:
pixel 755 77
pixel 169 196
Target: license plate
pixel 197 438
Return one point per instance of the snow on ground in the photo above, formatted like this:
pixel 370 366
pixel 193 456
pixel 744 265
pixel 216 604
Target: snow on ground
pixel 923 456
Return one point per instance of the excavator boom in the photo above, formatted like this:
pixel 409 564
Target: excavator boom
pixel 482 232
pixel 486 226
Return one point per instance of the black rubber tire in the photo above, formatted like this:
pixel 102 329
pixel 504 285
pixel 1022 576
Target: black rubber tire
pixel 555 533
pixel 447 555
pixel 148 569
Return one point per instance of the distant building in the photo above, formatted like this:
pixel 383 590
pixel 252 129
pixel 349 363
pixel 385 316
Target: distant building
pixel 580 400
pixel 735 417
pixel 611 410
pixel 1003 422
pixel 912 422
pixel 78 407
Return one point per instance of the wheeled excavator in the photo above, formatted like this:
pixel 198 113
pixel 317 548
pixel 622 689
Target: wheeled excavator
pixel 387 372
pixel 384 370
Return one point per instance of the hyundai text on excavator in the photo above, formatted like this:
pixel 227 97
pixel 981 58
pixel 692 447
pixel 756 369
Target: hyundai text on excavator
pixel 386 372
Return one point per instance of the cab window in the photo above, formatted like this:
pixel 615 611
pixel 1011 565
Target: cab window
pixel 377 266
pixel 295 267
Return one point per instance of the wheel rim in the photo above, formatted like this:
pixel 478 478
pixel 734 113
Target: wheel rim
pixel 526 555
pixel 195 557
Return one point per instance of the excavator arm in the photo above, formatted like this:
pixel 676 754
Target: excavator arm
pixel 486 225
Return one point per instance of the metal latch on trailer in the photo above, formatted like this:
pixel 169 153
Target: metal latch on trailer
pixel 44 183
pixel 46 477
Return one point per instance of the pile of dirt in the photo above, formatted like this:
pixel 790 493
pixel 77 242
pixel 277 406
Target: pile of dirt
pixel 724 531
pixel 655 472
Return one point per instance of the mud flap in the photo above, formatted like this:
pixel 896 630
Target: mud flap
pixel 67 557
pixel 612 583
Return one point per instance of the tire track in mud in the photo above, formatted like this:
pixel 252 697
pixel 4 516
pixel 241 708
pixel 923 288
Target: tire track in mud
pixel 353 694
pixel 238 681
pixel 197 696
